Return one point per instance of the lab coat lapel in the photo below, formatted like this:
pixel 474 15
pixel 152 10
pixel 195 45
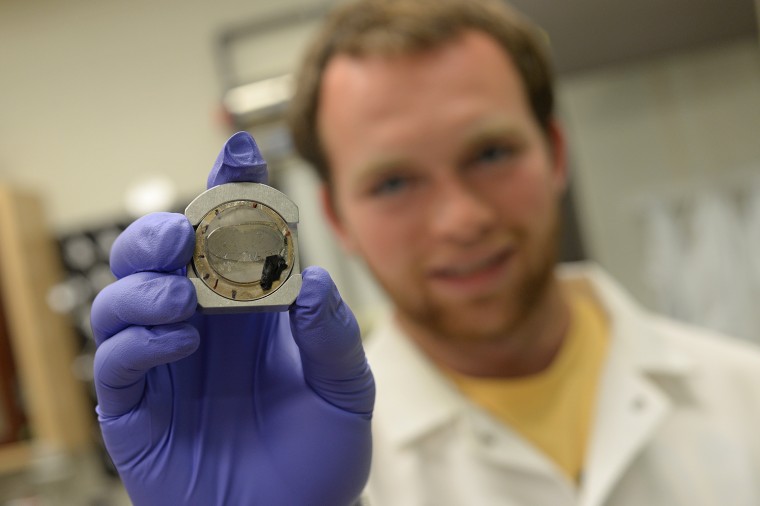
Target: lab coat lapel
pixel 506 449
pixel 630 406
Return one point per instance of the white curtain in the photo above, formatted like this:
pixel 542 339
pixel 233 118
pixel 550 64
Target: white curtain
pixel 702 259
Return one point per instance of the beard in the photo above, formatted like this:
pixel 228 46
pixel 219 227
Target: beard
pixel 490 319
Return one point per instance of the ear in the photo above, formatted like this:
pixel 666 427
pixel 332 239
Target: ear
pixel 337 225
pixel 558 153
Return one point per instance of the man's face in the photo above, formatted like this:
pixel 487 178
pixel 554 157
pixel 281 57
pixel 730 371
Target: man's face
pixel 444 183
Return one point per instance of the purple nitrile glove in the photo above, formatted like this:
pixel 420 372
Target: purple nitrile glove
pixel 244 409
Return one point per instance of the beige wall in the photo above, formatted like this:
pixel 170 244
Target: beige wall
pixel 95 96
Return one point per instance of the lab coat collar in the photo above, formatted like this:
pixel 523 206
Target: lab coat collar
pixel 632 333
pixel 421 400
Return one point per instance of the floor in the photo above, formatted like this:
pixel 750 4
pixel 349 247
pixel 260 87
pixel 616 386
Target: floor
pixel 63 481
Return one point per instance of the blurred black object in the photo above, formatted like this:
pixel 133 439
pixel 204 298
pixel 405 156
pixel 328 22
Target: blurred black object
pixel 85 259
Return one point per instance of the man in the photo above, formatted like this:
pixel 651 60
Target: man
pixel 501 379
pixel 500 382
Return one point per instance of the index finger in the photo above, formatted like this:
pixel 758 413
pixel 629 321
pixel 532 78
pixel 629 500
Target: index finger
pixel 159 242
pixel 240 161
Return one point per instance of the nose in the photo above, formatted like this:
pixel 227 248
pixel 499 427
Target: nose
pixel 461 214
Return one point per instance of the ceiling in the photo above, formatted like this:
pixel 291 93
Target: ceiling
pixel 591 33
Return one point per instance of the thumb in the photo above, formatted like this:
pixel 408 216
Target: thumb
pixel 239 161
pixel 330 345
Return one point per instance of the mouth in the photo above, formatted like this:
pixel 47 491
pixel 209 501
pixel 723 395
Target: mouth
pixel 474 275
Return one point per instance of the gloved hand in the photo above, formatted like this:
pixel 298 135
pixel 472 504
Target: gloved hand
pixel 245 409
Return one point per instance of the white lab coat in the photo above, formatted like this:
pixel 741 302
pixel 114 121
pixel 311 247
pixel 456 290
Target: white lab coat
pixel 677 423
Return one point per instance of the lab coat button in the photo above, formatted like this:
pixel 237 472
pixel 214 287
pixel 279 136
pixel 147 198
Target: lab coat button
pixel 486 438
pixel 639 404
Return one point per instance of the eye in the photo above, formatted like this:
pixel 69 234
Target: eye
pixel 390 185
pixel 493 154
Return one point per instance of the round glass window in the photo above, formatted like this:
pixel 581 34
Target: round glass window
pixel 243 250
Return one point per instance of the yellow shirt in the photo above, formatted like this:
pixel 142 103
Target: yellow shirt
pixel 553 409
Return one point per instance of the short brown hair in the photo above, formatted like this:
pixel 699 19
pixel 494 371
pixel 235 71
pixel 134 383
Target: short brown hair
pixel 398 27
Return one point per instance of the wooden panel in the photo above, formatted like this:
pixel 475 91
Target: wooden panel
pixel 15 456
pixel 12 418
pixel 42 341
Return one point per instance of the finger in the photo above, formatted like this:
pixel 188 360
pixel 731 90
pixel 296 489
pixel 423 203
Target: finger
pixel 239 161
pixel 329 341
pixel 122 362
pixel 144 298
pixel 162 242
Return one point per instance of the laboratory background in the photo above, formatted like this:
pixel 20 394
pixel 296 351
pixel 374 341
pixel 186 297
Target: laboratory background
pixel 111 110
